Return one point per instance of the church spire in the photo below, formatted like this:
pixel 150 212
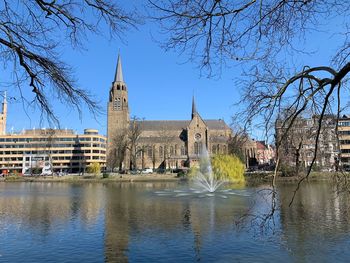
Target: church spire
pixel 119 72
pixel 194 110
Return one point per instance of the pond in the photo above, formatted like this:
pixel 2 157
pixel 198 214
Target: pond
pixel 152 222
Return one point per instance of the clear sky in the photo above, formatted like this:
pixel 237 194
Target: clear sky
pixel 160 84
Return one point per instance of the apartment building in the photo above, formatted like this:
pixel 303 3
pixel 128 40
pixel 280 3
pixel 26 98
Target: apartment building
pixel 298 145
pixel 62 149
pixel 52 150
pixel 344 141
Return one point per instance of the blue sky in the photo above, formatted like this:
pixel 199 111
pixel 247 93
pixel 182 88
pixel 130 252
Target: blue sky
pixel 160 84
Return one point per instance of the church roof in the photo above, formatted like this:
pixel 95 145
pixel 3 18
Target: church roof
pixel 179 125
pixel 119 71
pixel 164 125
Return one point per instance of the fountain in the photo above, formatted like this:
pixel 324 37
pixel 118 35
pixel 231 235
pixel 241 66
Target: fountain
pixel 205 183
pixel 204 178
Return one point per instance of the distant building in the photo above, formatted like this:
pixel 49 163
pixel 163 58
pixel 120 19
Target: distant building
pixel 344 141
pixel 265 153
pixel 54 149
pixel 63 149
pixel 297 146
pixel 158 144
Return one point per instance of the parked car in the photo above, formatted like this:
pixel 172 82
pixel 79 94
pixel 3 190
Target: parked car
pixel 147 171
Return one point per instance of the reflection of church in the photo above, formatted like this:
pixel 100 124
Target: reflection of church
pixel 165 143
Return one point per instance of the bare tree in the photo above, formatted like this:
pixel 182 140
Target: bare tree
pixel 214 32
pixel 133 146
pixel 32 35
pixel 118 150
pixel 264 37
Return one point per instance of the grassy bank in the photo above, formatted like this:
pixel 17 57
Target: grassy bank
pixel 251 178
pixel 92 178
pixel 256 177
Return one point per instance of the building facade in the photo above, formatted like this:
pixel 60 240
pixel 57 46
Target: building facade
pixel 344 141
pixel 297 145
pixel 136 144
pixel 63 150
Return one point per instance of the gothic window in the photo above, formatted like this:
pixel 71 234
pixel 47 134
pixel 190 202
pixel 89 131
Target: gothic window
pixel 176 149
pixel 197 148
pixel 171 150
pixel 149 152
pixel 224 149
pixel 183 152
pixel 213 149
pixel 160 152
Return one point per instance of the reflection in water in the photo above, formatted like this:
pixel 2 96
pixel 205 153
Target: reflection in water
pixel 129 222
pixel 314 224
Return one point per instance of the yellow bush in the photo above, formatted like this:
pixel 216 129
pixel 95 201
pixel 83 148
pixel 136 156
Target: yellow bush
pixel 228 167
pixel 94 168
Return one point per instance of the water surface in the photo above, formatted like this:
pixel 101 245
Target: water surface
pixel 160 222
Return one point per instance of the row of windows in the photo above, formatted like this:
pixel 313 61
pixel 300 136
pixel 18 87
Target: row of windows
pixel 344 123
pixel 345 151
pixel 344 141
pixel 54 145
pixel 59 158
pixel 344 132
pixel 149 151
pixel 52 139
pixel 52 152
pixel 217 149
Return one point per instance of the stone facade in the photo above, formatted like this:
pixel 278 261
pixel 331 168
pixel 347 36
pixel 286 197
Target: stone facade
pixel 297 147
pixel 158 144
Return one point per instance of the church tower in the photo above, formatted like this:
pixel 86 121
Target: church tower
pixel 197 136
pixel 118 110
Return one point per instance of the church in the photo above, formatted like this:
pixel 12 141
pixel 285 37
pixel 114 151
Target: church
pixel 159 144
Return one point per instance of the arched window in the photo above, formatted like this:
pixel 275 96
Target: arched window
pixel 197 148
pixel 213 149
pixel 183 151
pixel 171 150
pixel 224 149
pixel 176 149
pixel 149 151
pixel 161 154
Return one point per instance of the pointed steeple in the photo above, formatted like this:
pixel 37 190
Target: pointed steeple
pixel 194 110
pixel 119 72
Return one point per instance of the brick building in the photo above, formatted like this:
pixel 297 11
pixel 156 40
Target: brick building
pixel 158 144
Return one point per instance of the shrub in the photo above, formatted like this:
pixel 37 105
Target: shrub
pixel 228 167
pixel 94 168
pixel 286 170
